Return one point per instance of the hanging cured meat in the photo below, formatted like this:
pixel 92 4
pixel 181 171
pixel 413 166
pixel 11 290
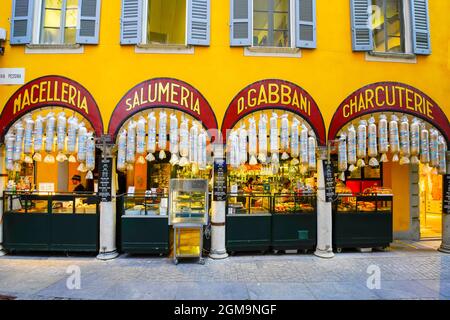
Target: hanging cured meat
pixel 28 138
pixel 72 127
pixel 82 139
pixel 351 150
pixel 61 126
pixel 394 138
pixel 284 136
pixel 274 144
pixel 404 141
pixel 49 137
pixel 202 153
pixel 140 140
pixel 131 144
pixel 9 144
pixel 162 134
pixel 122 151
pixel 38 138
pixel 372 147
pixel 252 141
pixel 424 144
pixel 242 145
pixel 173 137
pixel 151 136
pixel 262 138
pixel 383 144
pixel 312 163
pixel 184 141
pixel 234 150
pixel 295 147
pixel 442 165
pixel 415 141
pixel 342 155
pixel 193 145
pixel 90 155
pixel 361 150
pixel 434 148
pixel 18 142
pixel 304 149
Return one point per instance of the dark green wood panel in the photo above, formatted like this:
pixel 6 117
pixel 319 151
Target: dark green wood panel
pixel 74 232
pixel 26 231
pixel 145 235
pixel 248 232
pixel 294 231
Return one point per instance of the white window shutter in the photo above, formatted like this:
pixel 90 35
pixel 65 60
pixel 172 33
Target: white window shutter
pixel 305 27
pixel 199 22
pixel 362 39
pixel 131 22
pixel 88 21
pixel 22 21
pixel 241 13
pixel 420 27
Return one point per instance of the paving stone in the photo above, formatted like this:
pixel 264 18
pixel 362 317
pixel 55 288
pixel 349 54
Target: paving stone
pixel 279 291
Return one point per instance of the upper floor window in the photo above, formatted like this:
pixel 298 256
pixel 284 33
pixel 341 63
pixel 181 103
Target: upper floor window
pixel 55 22
pixel 165 22
pixel 273 23
pixel 59 21
pixel 390 26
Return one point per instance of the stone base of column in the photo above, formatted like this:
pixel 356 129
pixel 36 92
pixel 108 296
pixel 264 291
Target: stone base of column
pixel 324 253
pixel 2 251
pixel 444 248
pixel 107 255
pixel 218 254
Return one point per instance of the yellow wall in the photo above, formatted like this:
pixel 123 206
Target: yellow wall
pixel 329 73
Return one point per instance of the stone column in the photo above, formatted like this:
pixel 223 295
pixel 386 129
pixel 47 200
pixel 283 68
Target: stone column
pixel 324 247
pixel 2 187
pixel 218 208
pixel 445 245
pixel 108 248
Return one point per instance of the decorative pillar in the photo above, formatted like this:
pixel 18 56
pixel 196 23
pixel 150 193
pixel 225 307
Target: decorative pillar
pixel 107 169
pixel 324 247
pixel 445 245
pixel 218 207
pixel 2 187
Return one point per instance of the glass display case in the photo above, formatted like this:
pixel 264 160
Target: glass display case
pixel 249 204
pixel 294 203
pixel 188 200
pixel 50 221
pixel 145 204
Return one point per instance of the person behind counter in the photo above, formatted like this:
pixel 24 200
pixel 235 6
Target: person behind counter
pixel 76 181
pixel 248 187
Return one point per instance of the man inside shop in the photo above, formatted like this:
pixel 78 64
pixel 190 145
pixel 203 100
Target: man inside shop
pixel 76 181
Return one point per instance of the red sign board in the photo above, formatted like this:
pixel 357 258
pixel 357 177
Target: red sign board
pixel 162 93
pixel 275 94
pixel 389 97
pixel 51 91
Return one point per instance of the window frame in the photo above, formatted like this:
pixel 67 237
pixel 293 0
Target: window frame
pixel 144 39
pixel 291 26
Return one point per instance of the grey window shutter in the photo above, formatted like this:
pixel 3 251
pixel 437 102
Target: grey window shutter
pixel 362 39
pixel 241 12
pixel 198 22
pixel 421 27
pixel 131 22
pixel 22 21
pixel 88 21
pixel 305 27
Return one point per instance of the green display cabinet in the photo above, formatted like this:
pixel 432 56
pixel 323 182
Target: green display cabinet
pixel 294 222
pixel 362 221
pixel 52 222
pixel 144 224
pixel 248 223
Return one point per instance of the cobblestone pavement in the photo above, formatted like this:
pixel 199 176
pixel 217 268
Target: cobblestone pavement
pixel 408 270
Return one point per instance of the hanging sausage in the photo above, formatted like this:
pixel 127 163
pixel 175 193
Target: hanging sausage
pixel 351 150
pixel 383 144
pixel 81 154
pixel 151 137
pixel 252 141
pixel 202 153
pixel 394 138
pixel 184 141
pixel 90 155
pixel 122 151
pixel 424 144
pixel 193 146
pixel 140 140
pixel 38 138
pixel 61 125
pixel 162 134
pixel 361 150
pixel 304 149
pixel 312 163
pixel 262 138
pixel 442 165
pixel 72 127
pixel 295 148
pixel 131 144
pixel 342 155
pixel 28 138
pixel 234 150
pixel 274 145
pixel 9 145
pixel 18 142
pixel 434 148
pixel 173 137
pixel 242 145
pixel 49 137
pixel 404 141
pixel 415 141
pixel 372 145
pixel 284 136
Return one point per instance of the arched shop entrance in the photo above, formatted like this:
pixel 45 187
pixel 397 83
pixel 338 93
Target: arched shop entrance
pixel 397 163
pixel 48 130
pixel 163 130
pixel 273 129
